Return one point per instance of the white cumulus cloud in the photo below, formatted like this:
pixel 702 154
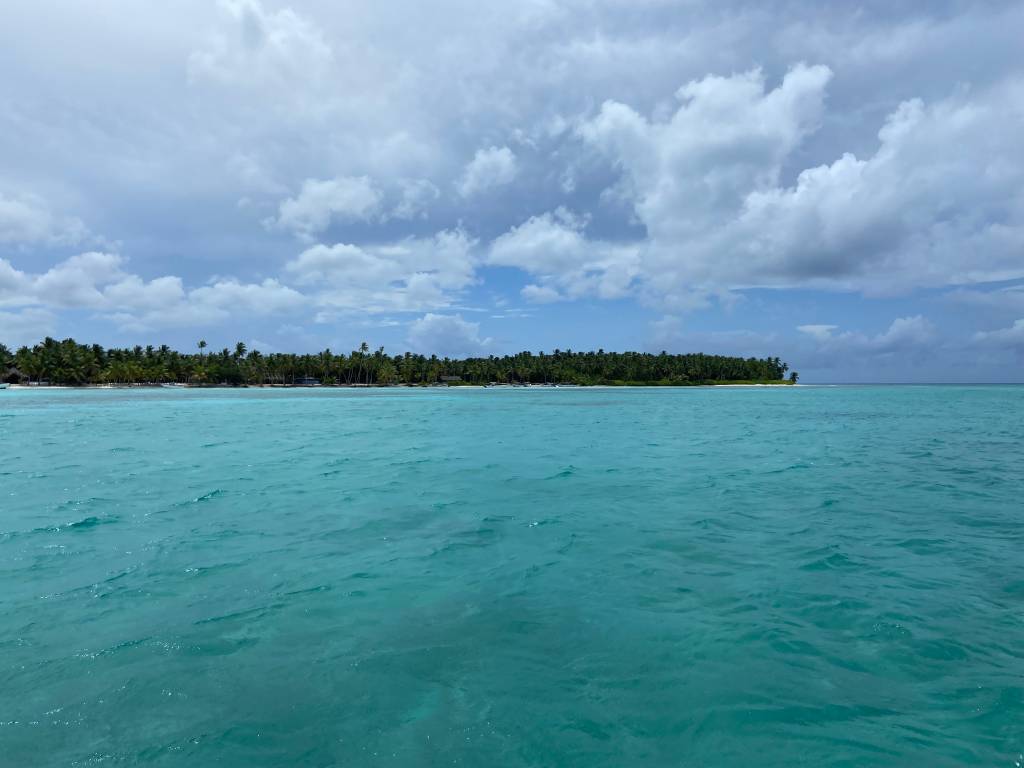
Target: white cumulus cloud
pixel 346 198
pixel 414 274
pixel 417 195
pixel 552 247
pixel 26 327
pixel 446 336
pixel 99 282
pixel 28 220
pixel 1012 337
pixel 493 167
pixel 706 185
pixel 255 47
pixel 905 335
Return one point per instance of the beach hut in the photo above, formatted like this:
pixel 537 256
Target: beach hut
pixel 13 376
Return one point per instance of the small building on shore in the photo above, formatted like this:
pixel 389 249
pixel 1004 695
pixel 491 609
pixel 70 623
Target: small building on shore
pixel 307 381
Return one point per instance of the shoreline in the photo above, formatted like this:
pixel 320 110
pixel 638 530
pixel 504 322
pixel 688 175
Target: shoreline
pixel 33 387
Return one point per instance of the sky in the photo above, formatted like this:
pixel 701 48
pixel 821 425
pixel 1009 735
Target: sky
pixel 837 184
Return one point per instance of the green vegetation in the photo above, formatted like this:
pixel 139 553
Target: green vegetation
pixel 68 362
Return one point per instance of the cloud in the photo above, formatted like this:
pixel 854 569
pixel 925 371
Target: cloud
pixel 489 168
pixel 910 349
pixel 1003 338
pixel 552 247
pixel 669 333
pixel 446 336
pixel 540 294
pixel 705 183
pixel 255 48
pixel 346 198
pixel 688 174
pixel 207 305
pixel 74 282
pixel 28 220
pixel 547 244
pixel 1006 299
pixel 416 198
pixel 131 292
pixel 97 281
pixel 409 275
pixel 907 347
pixel 905 335
pixel 14 284
pixel 664 157
pixel 266 297
pixel 819 332
pixel 914 213
pixel 26 327
pixel 728 137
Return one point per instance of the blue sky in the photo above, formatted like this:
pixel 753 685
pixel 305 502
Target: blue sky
pixel 841 185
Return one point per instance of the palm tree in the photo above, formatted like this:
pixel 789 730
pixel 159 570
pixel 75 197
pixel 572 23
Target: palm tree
pixel 202 346
pixel 364 348
pixel 239 350
pixel 257 366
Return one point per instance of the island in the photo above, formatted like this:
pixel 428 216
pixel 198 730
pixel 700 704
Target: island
pixel 68 363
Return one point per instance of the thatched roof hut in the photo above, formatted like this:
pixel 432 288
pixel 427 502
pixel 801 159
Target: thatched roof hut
pixel 13 376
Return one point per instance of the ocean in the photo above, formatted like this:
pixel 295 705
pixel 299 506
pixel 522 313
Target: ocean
pixel 781 576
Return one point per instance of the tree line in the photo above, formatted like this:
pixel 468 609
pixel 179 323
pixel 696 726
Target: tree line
pixel 69 363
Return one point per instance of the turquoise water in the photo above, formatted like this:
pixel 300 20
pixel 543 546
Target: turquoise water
pixel 599 577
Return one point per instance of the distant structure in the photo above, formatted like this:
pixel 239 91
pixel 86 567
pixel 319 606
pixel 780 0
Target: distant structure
pixel 307 381
pixel 451 379
pixel 13 376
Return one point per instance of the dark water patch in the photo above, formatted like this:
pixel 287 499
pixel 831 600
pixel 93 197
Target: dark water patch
pixel 199 571
pixel 119 575
pixel 790 468
pixel 471 539
pixel 237 616
pixel 332 472
pixel 413 462
pixel 81 526
pixel 317 590
pixel 888 630
pixel 921 546
pixel 1015 588
pixel 940 650
pixel 568 471
pixel 442 506
pixel 498 518
pixel 828 563
pixel 221 646
pixel 795 648
pixel 710 522
pixel 214 494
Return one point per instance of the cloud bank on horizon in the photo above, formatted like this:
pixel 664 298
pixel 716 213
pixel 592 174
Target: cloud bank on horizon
pixel 840 186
